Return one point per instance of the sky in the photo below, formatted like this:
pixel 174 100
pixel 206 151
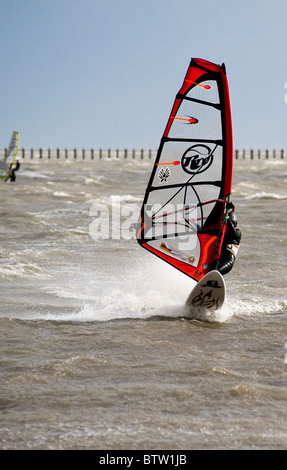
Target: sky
pixel 104 73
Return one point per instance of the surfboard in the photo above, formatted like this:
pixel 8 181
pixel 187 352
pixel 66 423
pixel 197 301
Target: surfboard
pixel 208 294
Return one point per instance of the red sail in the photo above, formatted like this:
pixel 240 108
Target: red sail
pixel 184 209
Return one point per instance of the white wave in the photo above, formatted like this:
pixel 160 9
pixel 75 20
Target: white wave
pixel 62 194
pixel 121 305
pixel 100 181
pixel 257 307
pixel 152 289
pixel 34 174
pixel 265 195
pixel 117 200
pixel 22 270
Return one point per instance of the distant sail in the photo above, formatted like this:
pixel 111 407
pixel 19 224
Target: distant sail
pixel 13 148
pixel 4 170
pixel 9 160
pixel 184 213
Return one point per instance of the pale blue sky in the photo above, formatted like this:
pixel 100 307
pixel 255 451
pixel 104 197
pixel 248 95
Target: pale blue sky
pixel 104 73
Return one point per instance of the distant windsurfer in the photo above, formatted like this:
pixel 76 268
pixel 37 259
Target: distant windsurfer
pixel 12 176
pixel 230 245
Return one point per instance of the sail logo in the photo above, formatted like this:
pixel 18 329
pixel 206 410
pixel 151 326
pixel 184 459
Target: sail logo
pixel 207 299
pixel 196 159
pixel 164 175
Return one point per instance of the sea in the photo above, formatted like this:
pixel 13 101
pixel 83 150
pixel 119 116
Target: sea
pixel 97 349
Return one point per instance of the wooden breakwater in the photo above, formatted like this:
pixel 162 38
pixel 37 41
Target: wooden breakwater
pixel 83 154
pixel 142 154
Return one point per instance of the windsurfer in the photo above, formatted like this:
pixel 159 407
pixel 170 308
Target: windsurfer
pixel 230 246
pixel 12 175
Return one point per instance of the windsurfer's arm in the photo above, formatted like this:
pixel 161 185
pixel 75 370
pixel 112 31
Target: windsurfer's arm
pixel 231 228
pixel 230 206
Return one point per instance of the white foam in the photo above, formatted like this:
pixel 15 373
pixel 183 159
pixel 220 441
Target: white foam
pixel 150 289
pixel 265 195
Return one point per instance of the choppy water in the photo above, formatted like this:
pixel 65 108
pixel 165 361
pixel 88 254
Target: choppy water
pixel 95 350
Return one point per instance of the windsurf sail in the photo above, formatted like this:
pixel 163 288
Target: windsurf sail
pixel 184 212
pixel 7 163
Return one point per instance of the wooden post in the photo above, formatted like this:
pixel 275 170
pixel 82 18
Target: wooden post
pixel 142 152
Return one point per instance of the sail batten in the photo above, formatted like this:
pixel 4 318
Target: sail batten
pixel 178 139
pixel 185 205
pixel 194 100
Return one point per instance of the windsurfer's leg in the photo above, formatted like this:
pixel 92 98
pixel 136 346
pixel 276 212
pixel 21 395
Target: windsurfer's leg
pixel 226 265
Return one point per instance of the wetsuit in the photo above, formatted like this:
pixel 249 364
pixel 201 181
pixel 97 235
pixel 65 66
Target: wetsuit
pixel 12 175
pixel 229 250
